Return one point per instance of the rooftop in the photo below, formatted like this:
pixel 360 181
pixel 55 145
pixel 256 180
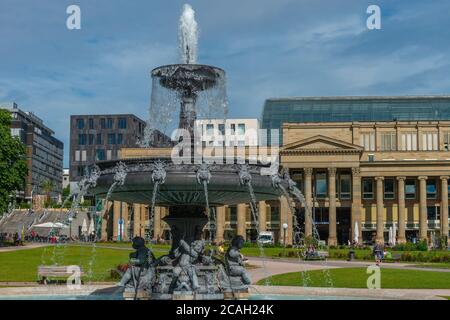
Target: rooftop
pixel 354 108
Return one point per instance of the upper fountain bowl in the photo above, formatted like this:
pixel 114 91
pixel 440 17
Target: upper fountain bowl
pixel 189 78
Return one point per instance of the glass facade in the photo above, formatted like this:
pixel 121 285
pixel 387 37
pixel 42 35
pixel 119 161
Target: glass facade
pixel 336 109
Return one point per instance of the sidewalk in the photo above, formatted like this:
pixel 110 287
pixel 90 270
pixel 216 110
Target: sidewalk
pixel 26 247
pixel 378 294
pixel 352 264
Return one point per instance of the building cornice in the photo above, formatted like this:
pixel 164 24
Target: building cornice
pixel 319 151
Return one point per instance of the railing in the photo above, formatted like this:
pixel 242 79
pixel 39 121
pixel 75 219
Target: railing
pixel 434 224
pixel 369 225
pixel 410 225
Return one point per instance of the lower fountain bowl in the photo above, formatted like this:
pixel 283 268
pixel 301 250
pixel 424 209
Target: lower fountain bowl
pixel 181 186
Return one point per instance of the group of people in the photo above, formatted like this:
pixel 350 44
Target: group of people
pixel 11 237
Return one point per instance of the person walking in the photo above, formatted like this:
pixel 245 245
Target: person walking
pixel 378 251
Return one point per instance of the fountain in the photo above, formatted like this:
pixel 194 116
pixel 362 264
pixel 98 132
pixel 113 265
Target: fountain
pixel 189 188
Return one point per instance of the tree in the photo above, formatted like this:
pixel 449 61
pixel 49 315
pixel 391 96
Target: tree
pixel 47 186
pixel 13 164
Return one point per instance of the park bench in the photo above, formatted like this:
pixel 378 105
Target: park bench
pixel 45 272
pixel 316 255
pixel 396 257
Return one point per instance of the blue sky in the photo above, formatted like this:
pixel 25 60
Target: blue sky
pixel 269 48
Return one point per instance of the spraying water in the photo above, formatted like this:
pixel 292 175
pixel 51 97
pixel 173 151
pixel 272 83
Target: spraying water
pixel 245 179
pixel 293 192
pixel 88 181
pixel 188 36
pixel 158 178
pixel 119 180
pixel 276 183
pixel 203 177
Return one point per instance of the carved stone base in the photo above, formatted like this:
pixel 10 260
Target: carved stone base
pixel 238 294
pixel 207 280
pixel 141 295
pixel 183 295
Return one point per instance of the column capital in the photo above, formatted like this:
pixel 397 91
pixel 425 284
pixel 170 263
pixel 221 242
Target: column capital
pixel 356 171
pixel 332 172
pixel 444 177
pixel 308 171
pixel 379 178
pixel 422 177
pixel 401 178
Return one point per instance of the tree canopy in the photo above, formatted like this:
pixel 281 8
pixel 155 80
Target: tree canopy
pixel 13 165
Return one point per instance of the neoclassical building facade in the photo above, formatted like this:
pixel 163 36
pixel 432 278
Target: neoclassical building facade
pixel 372 176
pixel 368 176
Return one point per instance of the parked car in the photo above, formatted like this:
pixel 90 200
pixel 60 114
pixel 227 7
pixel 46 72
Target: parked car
pixel 266 237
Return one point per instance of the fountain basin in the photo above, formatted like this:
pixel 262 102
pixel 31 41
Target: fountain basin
pixel 188 77
pixel 181 186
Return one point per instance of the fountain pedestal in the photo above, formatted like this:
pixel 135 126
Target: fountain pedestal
pixel 207 279
pixel 187 223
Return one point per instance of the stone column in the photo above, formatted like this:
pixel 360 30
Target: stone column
pixel 444 207
pixel 423 227
pixel 157 223
pixel 356 204
pixel 380 209
pixel 401 210
pixel 136 219
pixel 220 223
pixel 116 216
pixel 262 210
pixel 126 221
pixel 241 218
pixel 332 238
pixel 143 210
pixel 309 201
pixel 285 217
pixel 105 220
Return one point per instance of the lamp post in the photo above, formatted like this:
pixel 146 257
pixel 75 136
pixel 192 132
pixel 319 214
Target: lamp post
pixel 120 223
pixel 285 226
pixel 70 228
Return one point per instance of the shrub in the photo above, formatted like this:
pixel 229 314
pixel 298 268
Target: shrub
pixel 422 245
pixel 409 246
pixel 309 240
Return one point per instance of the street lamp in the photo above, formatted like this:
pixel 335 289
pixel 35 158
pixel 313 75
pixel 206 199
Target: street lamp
pixel 70 228
pixel 285 226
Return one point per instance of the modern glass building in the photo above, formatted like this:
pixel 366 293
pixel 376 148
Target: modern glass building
pixel 338 109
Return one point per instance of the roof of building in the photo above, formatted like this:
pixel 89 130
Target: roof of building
pixel 107 116
pixel 354 108
pixel 34 120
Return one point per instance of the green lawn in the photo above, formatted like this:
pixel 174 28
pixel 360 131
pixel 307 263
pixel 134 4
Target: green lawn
pixel 357 278
pixel 127 245
pixel 22 265
pixel 270 252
